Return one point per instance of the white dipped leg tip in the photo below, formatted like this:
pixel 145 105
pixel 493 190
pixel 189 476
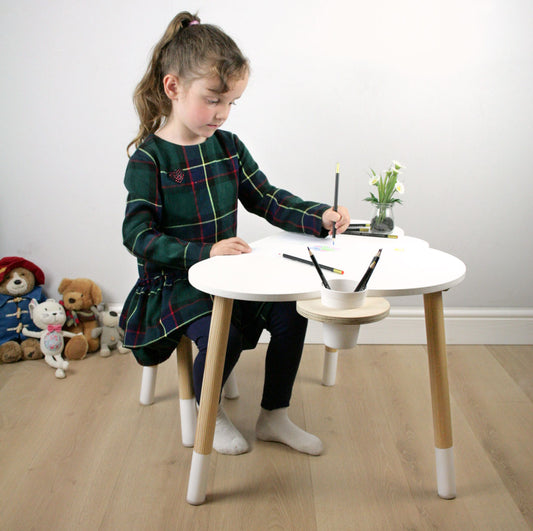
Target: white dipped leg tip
pixel 149 376
pixel 198 479
pixel 188 421
pixel 329 372
pixel 445 473
pixel 231 389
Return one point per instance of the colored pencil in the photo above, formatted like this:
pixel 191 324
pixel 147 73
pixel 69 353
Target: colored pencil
pixel 371 234
pixel 368 273
pixel 335 201
pixel 353 230
pixel 319 271
pixel 309 262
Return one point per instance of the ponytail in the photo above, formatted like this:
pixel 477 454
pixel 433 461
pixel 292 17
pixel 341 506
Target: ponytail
pixel 149 98
pixel 189 50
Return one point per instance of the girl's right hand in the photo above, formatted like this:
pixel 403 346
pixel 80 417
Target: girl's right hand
pixel 230 246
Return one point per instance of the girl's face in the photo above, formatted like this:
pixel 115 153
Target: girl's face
pixel 199 109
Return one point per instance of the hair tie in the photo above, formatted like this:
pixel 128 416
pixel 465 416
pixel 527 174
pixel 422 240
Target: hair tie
pixel 193 22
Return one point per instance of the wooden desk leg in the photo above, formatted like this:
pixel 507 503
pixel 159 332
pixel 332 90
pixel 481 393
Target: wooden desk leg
pixel 440 394
pixel 211 385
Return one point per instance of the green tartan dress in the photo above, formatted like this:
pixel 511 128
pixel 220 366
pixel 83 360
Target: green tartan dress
pixel 181 201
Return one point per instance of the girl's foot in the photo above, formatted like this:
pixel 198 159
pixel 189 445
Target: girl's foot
pixel 228 439
pixel 276 426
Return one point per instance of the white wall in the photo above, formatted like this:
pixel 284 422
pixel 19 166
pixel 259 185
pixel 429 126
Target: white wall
pixel 443 86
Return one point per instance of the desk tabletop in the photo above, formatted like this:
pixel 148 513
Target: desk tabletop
pixel 408 266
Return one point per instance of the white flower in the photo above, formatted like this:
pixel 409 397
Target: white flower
pixel 400 188
pixel 397 165
pixel 373 180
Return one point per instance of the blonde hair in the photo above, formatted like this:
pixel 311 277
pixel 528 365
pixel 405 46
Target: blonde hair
pixel 190 51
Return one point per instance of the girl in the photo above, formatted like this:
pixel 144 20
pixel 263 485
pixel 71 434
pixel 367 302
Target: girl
pixel 184 181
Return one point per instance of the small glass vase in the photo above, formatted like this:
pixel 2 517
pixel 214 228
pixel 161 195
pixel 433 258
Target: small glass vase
pixel 382 221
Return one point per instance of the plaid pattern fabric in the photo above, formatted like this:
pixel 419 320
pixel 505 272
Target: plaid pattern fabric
pixel 181 201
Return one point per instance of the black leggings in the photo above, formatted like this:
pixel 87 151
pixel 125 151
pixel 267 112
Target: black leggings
pixel 287 330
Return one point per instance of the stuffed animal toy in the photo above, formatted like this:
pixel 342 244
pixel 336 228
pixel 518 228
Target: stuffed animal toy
pixel 80 298
pixel 20 282
pixel 111 335
pixel 50 316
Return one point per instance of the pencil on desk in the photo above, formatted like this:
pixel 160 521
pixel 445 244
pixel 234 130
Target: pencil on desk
pixel 309 262
pixel 371 234
pixel 335 201
pixel 355 225
pixel 319 271
pixel 354 230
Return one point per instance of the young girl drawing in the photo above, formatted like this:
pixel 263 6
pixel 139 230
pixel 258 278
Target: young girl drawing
pixel 184 182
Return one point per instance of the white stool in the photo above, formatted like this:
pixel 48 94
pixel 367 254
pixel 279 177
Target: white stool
pixel 374 309
pixel 185 389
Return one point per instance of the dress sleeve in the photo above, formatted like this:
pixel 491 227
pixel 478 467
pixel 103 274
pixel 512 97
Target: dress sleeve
pixel 279 207
pixel 141 227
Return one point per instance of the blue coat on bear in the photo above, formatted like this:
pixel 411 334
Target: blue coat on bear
pixel 15 314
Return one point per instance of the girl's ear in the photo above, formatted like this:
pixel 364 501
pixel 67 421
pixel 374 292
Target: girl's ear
pixel 171 85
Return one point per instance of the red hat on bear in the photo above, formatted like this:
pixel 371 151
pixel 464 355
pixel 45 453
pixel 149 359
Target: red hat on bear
pixel 10 262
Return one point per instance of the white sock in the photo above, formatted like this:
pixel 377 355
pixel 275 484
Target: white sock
pixel 276 426
pixel 228 439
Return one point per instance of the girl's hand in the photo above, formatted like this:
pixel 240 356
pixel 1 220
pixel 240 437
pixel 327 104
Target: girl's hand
pixel 230 246
pixel 341 219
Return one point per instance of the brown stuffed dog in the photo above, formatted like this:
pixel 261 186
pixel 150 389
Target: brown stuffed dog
pixel 80 298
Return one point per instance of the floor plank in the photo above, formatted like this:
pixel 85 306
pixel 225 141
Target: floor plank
pixel 500 416
pixel 516 360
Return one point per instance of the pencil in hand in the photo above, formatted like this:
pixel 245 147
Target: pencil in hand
pixel 335 201
pixel 317 267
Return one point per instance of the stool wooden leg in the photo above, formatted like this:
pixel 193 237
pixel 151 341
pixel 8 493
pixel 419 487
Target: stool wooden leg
pixel 186 392
pixel 149 377
pixel 212 382
pixel 329 372
pixel 231 389
pixel 440 395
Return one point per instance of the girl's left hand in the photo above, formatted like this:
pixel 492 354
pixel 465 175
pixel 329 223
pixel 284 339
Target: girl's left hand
pixel 341 219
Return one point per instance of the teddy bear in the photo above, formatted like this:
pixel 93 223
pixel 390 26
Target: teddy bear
pixel 50 316
pixel 111 335
pixel 80 299
pixel 20 282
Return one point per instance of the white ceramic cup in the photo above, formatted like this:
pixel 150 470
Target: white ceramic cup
pixel 342 296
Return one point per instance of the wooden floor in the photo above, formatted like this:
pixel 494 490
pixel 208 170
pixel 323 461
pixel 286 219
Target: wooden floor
pixel 82 454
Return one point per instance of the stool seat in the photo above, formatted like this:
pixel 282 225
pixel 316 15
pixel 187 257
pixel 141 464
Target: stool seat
pixel 374 309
